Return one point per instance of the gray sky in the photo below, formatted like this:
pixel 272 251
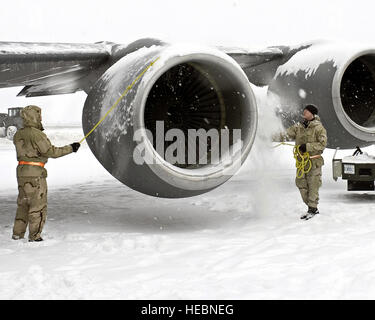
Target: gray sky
pixel 232 22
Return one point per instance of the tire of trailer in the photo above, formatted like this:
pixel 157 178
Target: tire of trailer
pixel 11 131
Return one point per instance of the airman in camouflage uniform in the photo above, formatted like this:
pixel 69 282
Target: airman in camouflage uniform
pixel 33 150
pixel 311 137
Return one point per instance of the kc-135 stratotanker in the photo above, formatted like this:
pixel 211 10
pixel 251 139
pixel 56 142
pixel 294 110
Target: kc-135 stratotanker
pixel 193 87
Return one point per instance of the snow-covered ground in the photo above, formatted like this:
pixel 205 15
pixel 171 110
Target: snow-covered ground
pixel 243 240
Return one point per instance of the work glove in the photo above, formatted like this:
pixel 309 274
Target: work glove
pixel 302 148
pixel 75 146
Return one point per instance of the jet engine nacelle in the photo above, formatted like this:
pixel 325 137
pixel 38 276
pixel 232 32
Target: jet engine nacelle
pixel 186 88
pixel 340 81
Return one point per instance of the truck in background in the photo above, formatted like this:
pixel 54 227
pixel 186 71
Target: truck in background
pixel 358 169
pixel 10 122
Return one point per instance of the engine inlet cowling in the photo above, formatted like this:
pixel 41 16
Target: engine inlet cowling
pixel 185 91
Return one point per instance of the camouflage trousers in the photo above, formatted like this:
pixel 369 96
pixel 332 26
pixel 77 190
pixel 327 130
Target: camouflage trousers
pixel 32 207
pixel 309 185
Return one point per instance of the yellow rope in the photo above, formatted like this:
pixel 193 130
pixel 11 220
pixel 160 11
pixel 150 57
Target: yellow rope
pixel 283 143
pixel 120 98
pixel 303 161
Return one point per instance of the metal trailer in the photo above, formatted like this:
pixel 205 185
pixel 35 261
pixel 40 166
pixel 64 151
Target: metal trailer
pixel 359 171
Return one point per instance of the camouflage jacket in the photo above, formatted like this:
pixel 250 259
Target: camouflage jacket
pixel 33 145
pixel 314 136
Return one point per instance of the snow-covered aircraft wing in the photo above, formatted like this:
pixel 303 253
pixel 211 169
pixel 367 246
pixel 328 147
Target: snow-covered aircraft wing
pixel 260 65
pixel 249 58
pixel 58 68
pixel 50 68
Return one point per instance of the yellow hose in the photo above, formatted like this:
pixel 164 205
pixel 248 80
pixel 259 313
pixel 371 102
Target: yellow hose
pixel 302 160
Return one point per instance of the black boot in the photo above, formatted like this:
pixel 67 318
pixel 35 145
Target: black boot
pixel 36 240
pixel 313 210
pixel 305 215
pixel 311 213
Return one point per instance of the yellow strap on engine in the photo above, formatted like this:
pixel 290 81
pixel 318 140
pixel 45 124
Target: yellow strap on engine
pixel 120 98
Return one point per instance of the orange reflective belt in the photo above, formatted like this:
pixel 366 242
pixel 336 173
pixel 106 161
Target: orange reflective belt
pixel 315 157
pixel 31 163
